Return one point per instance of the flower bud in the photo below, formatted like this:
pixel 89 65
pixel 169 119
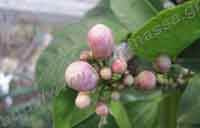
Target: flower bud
pixel 114 85
pixel 146 80
pixel 128 80
pixel 82 100
pixel 119 66
pixel 127 72
pixel 102 109
pixel 81 76
pixel 115 95
pixel 163 63
pixel 106 73
pixel 100 39
pixel 121 86
pixel 180 81
pixel 85 55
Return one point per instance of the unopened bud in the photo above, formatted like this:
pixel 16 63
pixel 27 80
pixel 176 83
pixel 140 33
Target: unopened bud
pixel 119 66
pixel 163 63
pixel 146 80
pixel 82 100
pixel 81 76
pixel 106 73
pixel 121 86
pixel 180 81
pixel 102 109
pixel 128 80
pixel 101 42
pixel 115 85
pixel 115 95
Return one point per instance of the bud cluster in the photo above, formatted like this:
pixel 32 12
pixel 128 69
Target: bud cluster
pixel 105 67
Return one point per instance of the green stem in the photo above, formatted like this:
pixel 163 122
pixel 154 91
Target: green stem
pixel 169 108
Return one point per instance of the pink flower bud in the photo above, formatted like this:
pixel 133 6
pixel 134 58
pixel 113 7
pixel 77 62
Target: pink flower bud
pixel 106 73
pixel 163 63
pixel 82 100
pixel 119 66
pixel 146 80
pixel 81 76
pixel 100 39
pixel 102 109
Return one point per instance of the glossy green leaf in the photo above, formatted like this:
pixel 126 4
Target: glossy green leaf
pixel 94 120
pixel 169 108
pixel 134 95
pixel 133 13
pixel 189 114
pixel 169 32
pixel 68 43
pixel 120 114
pixel 143 107
pixel 151 109
pixel 66 114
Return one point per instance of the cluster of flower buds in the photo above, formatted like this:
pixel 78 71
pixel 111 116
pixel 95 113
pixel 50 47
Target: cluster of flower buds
pixel 105 66
pixel 84 75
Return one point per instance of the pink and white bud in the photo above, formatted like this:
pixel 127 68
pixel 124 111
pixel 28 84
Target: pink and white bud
pixel 102 109
pixel 81 76
pixel 146 80
pixel 119 66
pixel 106 73
pixel 163 63
pixel 101 42
pixel 128 80
pixel 82 100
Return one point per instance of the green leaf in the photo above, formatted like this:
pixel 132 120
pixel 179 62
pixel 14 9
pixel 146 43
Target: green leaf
pixel 66 114
pixel 134 95
pixel 133 13
pixel 120 114
pixel 189 114
pixel 143 107
pixel 144 114
pixel 169 108
pixel 151 109
pixel 93 121
pixel 169 32
pixel 68 43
